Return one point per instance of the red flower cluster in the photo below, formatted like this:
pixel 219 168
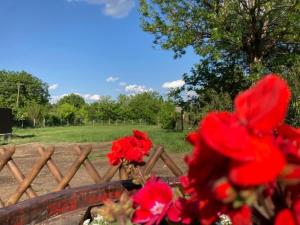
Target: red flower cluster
pixel 131 148
pixel 241 158
pixel 237 154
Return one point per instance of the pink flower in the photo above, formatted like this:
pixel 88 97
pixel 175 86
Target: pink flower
pixel 152 201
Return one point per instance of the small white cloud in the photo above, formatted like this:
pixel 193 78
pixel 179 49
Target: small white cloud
pixel 53 87
pixel 122 84
pixel 87 97
pixel 91 97
pixel 113 8
pixel 112 79
pixel 136 89
pixel 173 84
pixel 56 98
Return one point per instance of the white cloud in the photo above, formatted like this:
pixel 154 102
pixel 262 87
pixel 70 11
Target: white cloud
pixel 53 87
pixel 173 84
pixel 112 79
pixel 91 97
pixel 87 97
pixel 123 84
pixel 113 8
pixel 136 89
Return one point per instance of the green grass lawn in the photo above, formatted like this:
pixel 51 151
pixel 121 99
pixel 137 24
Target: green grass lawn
pixel 173 141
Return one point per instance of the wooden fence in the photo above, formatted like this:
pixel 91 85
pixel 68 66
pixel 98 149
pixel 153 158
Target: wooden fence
pixel 63 181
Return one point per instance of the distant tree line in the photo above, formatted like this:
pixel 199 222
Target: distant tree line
pixel 28 96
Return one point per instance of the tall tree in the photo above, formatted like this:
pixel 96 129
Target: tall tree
pixel 17 89
pixel 253 31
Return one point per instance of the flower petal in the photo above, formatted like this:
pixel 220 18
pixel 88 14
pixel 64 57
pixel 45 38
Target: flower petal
pixel 264 106
pixel 284 217
pixel 141 216
pixel 241 216
pixel 259 171
pixel 223 132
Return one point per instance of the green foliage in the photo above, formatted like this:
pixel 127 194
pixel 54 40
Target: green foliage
pixel 30 89
pixel 255 31
pixel 145 106
pixel 73 99
pixel 66 112
pixel 34 112
pixel 167 115
pixel 238 41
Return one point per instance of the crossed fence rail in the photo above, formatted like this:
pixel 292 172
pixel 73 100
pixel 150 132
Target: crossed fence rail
pixel 63 181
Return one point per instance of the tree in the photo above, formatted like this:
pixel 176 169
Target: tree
pixel 253 31
pixel 66 112
pixel 104 109
pixel 167 115
pixel 145 106
pixel 73 99
pixel 34 112
pixel 17 89
pixel 237 41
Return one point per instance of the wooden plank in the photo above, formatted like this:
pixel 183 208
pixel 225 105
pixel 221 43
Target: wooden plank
pixel 39 209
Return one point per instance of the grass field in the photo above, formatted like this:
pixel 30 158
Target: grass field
pixel 173 141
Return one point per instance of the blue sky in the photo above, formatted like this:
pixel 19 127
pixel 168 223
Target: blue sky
pixel 77 45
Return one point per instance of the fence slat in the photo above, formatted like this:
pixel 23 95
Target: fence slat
pixel 110 173
pixel 73 169
pixel 153 159
pixel 52 166
pixel 82 159
pixel 89 168
pixel 170 164
pixel 123 173
pixel 19 176
pixel 30 177
pixel 5 156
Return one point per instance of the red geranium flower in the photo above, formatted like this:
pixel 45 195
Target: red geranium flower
pixel 130 148
pixel 289 216
pixel 153 202
pixel 184 211
pixel 246 135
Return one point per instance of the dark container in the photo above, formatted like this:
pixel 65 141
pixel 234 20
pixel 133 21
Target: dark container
pixel 6 121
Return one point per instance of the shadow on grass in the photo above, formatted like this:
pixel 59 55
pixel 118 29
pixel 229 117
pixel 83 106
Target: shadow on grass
pixel 7 139
pixel 23 136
